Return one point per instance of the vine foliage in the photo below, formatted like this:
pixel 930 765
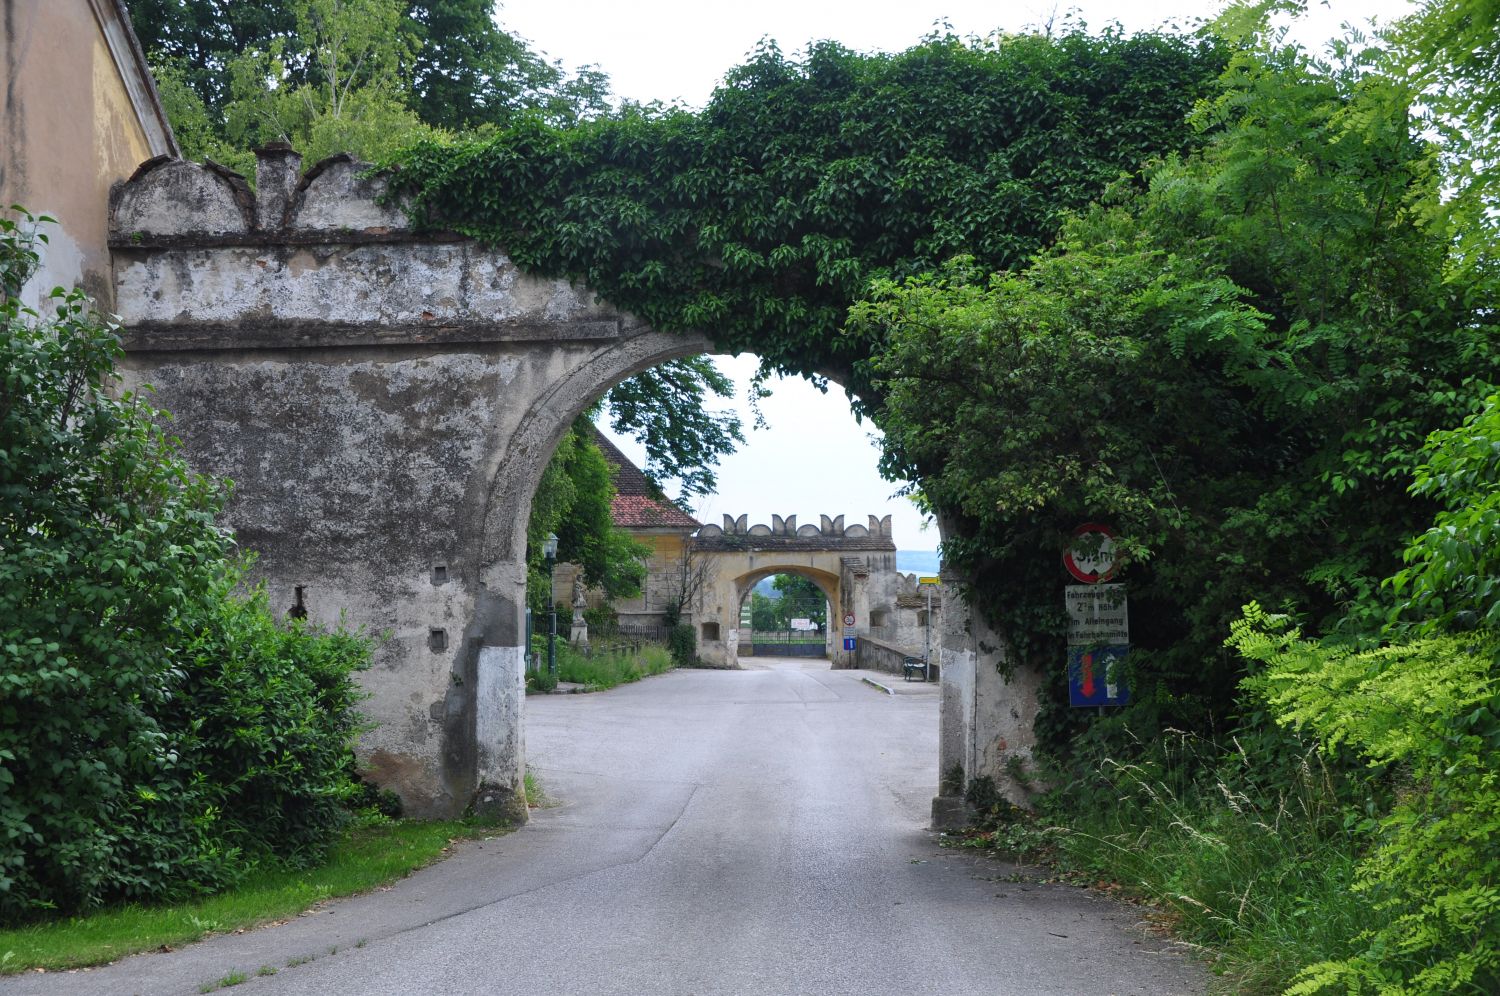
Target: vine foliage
pixel 762 218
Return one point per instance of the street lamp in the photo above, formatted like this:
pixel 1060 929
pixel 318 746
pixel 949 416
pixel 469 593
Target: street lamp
pixel 549 551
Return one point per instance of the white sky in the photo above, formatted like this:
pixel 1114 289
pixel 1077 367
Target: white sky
pixel 814 459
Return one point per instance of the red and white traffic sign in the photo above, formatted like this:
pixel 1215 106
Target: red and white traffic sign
pixel 848 619
pixel 1090 556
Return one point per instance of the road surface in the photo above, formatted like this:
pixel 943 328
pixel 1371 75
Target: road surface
pixel 738 832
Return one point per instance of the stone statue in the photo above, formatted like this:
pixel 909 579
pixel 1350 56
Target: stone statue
pixel 580 634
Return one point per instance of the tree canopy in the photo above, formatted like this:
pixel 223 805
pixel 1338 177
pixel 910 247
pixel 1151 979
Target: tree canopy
pixel 461 69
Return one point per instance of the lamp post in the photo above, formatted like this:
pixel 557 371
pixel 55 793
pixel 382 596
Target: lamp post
pixel 549 551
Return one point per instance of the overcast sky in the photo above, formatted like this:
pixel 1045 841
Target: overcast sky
pixel 814 458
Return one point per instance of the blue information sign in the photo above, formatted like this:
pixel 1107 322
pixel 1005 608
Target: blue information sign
pixel 1096 676
pixel 848 643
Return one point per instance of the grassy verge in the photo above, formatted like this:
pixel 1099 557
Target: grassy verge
pixel 368 857
pixel 607 670
pixel 1257 876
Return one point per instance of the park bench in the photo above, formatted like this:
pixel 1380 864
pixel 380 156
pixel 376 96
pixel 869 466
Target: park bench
pixel 915 665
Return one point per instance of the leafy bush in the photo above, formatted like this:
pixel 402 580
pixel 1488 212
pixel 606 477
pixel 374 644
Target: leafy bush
pixel 603 621
pixel 1431 707
pixel 683 644
pixel 1452 577
pixel 157 732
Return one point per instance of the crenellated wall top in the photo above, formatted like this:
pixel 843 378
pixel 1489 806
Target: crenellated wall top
pixel 783 532
pixel 319 259
pixel 176 202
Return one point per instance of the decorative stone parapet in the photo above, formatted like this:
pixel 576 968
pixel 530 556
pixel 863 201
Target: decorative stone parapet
pixel 784 533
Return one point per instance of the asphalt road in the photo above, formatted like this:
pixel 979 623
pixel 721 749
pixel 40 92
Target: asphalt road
pixel 746 832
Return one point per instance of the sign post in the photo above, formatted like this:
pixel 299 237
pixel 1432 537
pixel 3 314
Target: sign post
pixel 928 583
pixel 1098 620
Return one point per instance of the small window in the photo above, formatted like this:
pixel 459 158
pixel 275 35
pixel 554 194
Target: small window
pixel 877 618
pixel 710 631
pixel 437 639
pixel 440 574
pixel 921 617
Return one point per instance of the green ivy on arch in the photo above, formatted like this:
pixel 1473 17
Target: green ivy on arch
pixel 761 219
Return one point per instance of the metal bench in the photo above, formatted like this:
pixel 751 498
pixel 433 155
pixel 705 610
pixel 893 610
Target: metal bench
pixel 915 665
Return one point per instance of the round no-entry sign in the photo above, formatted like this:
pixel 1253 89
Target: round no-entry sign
pixel 1090 556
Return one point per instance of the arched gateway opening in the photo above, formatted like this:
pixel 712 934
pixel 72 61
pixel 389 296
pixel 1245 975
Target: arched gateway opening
pixel 788 620
pixel 385 402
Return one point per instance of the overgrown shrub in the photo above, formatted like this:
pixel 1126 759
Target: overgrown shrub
pixel 157 732
pixel 1427 706
pixel 1248 847
pixel 683 644
pixel 1430 707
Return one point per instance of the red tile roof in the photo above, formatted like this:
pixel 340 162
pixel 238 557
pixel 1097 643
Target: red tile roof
pixel 638 504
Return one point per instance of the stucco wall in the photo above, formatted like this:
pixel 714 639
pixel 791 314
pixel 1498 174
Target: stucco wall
pixel 79 115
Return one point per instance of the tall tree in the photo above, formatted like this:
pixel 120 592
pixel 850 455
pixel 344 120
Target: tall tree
pixel 1447 53
pixel 462 69
pixel 664 408
pixel 470 72
pixel 338 83
pixel 201 37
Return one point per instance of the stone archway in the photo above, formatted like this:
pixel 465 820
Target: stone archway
pixel 385 401
pixel 828 584
pixel 838 559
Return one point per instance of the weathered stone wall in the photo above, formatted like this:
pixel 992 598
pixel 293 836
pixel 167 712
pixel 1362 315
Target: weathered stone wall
pixel 384 403
pixel 987 710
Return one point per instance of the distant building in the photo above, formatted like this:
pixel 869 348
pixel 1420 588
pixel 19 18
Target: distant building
pixel 80 113
pixel 648 517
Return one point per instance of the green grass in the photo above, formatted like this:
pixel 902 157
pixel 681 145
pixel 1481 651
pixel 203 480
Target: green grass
pixel 368 857
pixel 1264 896
pixel 607 670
